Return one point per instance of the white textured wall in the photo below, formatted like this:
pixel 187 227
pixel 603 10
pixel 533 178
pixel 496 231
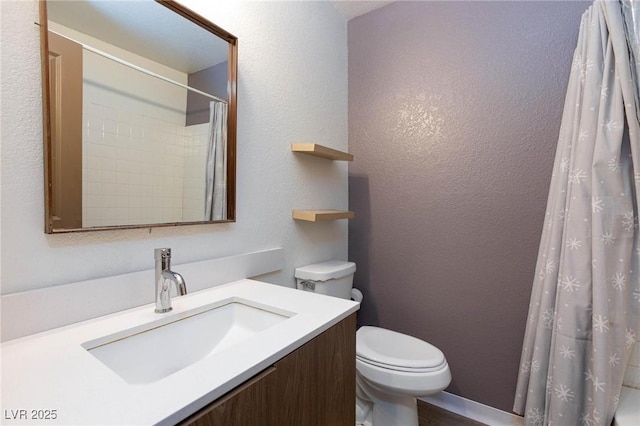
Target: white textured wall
pixel 292 86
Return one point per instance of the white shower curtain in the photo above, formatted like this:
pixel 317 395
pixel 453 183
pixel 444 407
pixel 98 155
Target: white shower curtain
pixel 216 167
pixel 583 316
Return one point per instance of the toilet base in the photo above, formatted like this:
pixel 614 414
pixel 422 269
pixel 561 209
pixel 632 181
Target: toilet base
pixel 375 407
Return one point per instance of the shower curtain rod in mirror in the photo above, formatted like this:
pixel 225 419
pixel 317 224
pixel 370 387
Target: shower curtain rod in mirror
pixel 138 68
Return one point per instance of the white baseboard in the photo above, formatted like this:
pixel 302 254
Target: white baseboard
pixel 34 311
pixel 473 410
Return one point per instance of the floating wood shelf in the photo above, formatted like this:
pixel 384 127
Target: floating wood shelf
pixel 321 151
pixel 320 215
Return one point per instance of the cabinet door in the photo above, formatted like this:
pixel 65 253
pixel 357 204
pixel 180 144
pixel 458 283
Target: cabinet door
pixel 336 375
pixel 315 385
pixel 246 405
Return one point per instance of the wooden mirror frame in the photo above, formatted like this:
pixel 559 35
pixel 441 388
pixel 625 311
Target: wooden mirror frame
pixel 231 121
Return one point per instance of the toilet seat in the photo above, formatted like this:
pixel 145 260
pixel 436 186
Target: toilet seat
pixel 396 351
pixel 401 368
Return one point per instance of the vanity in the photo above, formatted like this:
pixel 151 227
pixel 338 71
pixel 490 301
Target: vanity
pixel 241 353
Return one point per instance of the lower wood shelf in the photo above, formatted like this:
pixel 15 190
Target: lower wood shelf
pixel 320 215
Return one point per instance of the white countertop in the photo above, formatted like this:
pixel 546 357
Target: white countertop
pixel 52 371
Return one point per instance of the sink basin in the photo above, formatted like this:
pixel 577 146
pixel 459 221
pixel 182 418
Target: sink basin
pixel 151 352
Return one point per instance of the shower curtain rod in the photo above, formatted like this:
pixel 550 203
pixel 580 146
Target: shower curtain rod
pixel 138 68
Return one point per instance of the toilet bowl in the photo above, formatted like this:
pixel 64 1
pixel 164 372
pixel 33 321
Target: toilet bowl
pixel 392 369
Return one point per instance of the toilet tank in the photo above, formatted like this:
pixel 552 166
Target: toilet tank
pixel 333 278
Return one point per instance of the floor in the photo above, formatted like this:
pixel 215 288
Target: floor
pixel 430 415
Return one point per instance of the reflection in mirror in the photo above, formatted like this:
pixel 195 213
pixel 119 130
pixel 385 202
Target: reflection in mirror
pixel 140 101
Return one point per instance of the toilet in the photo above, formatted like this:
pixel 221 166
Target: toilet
pixel 392 369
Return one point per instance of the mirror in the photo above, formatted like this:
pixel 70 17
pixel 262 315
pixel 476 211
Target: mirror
pixel 139 101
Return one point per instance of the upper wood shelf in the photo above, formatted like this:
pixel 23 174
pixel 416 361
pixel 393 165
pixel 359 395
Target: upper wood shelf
pixel 321 151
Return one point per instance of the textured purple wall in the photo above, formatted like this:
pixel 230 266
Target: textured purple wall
pixel 212 80
pixel 454 113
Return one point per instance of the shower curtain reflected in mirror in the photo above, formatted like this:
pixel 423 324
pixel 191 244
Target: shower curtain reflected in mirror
pixel 216 172
pixel 583 316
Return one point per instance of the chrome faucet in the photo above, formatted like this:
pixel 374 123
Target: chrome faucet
pixel 164 277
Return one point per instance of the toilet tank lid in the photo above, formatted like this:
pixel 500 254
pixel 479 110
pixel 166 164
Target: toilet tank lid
pixel 323 271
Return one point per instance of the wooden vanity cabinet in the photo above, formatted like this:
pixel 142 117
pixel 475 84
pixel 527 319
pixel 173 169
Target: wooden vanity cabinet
pixel 313 385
